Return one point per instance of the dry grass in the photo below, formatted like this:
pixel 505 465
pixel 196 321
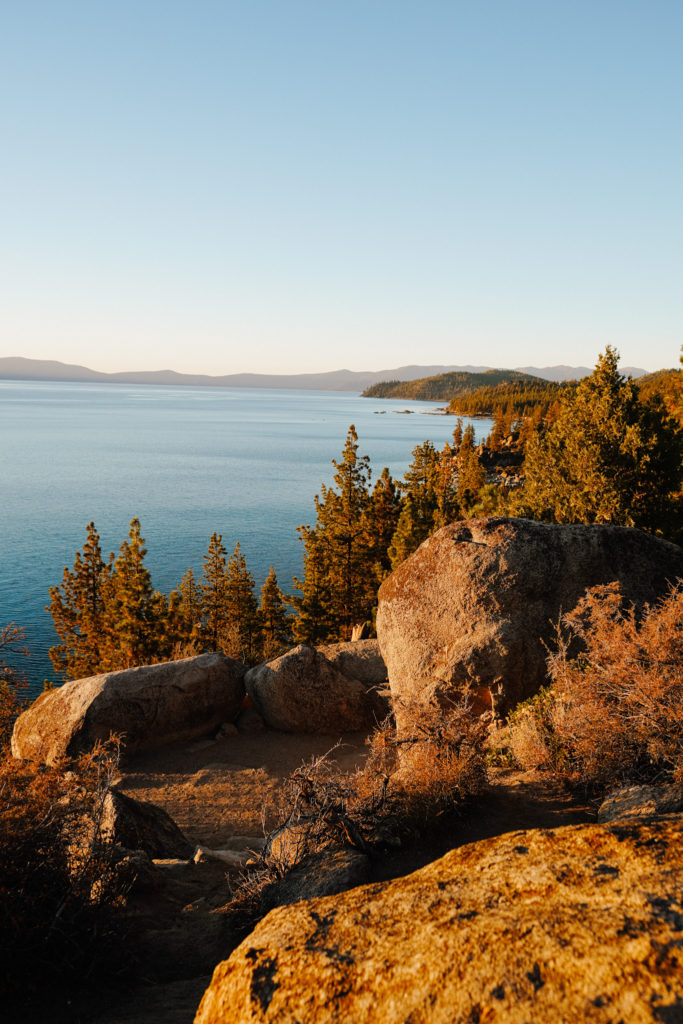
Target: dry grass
pixel 615 712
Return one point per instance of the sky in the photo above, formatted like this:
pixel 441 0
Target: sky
pixel 306 185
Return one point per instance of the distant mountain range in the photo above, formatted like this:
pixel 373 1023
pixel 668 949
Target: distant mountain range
pixel 19 368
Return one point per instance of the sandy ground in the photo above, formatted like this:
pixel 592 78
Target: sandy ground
pixel 218 790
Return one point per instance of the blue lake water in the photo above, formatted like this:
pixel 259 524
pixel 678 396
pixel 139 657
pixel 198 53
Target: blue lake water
pixel 187 461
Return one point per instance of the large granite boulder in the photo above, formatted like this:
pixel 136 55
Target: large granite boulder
pixel 148 707
pixel 476 604
pixel 302 691
pixel 582 923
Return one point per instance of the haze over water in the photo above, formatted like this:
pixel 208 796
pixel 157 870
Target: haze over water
pixel 187 461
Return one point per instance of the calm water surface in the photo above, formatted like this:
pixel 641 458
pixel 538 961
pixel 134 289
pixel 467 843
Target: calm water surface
pixel 187 461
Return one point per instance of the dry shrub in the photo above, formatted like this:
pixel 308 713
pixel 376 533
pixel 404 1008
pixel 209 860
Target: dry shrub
pixel 441 759
pixel 59 892
pixel 12 681
pixel 614 713
pixel 530 733
pixel 404 785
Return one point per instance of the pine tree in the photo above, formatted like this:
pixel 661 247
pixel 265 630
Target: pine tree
pixel 338 590
pixel 409 533
pixel 243 639
pixel 608 458
pixel 276 623
pixel 315 621
pixel 135 615
pixel 471 474
pixel 77 610
pixel 381 520
pixel 190 609
pixel 446 479
pixel 424 482
pixel 213 595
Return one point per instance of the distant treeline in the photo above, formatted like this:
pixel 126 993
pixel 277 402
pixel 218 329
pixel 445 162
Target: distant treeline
pixel 445 386
pixel 516 399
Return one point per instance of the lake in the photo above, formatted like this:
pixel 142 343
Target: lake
pixel 243 462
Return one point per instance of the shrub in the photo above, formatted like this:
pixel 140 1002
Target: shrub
pixel 614 712
pixel 59 890
pixel 12 681
pixel 405 785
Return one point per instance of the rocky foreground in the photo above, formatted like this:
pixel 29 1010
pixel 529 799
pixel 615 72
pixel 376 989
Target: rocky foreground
pixel 575 923
pixel 583 923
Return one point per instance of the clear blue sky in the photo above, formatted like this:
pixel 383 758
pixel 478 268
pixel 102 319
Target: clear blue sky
pixel 286 186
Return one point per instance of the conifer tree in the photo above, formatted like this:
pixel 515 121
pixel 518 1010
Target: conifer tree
pixel 422 485
pixel 314 622
pixel 190 608
pixel 409 533
pixel 607 458
pixel 381 519
pixel 338 590
pixel 213 595
pixel 244 638
pixel 276 623
pixel 447 504
pixel 471 474
pixel 135 615
pixel 77 610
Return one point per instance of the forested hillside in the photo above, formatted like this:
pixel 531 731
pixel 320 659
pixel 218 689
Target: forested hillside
pixel 518 398
pixel 445 386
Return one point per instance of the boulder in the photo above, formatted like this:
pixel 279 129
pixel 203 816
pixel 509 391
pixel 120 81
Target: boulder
pixel 631 802
pixel 304 692
pixel 140 825
pixel 148 707
pixel 581 923
pixel 324 873
pixel 476 604
pixel 358 659
pixel 362 660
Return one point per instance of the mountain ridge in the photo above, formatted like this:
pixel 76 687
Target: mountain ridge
pixel 22 368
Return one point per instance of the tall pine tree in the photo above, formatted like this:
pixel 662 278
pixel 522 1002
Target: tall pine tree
pixel 213 595
pixel 242 612
pixel 135 615
pixel 276 622
pixel 77 609
pixel 338 590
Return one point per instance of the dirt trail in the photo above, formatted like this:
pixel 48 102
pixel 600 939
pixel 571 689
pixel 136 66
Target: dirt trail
pixel 216 790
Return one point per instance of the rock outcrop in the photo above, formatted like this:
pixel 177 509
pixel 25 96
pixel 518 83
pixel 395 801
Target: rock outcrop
pixel 148 707
pixel 582 923
pixel 302 691
pixel 475 604
pixel 140 825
